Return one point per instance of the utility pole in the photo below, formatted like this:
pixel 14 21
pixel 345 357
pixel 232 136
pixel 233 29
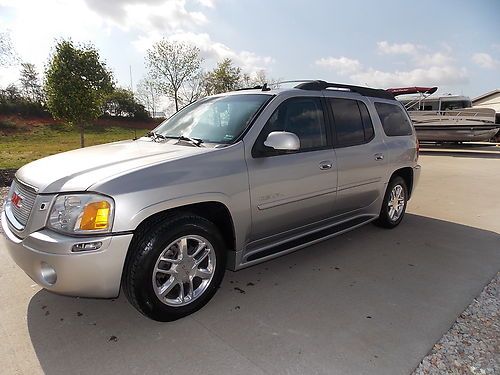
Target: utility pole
pixel 152 99
pixel 131 83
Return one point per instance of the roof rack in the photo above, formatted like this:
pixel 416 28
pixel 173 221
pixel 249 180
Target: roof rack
pixel 258 87
pixel 319 85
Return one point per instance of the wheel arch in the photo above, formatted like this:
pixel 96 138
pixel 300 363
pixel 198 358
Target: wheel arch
pixel 406 173
pixel 212 210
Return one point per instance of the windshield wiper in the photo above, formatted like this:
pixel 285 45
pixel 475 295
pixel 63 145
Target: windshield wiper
pixel 194 141
pixel 155 136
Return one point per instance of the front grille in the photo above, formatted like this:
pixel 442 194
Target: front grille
pixel 27 194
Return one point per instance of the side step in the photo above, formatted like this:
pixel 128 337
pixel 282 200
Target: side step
pixel 308 239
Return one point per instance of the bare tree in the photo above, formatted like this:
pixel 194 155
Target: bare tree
pixel 147 94
pixel 246 80
pixel 30 83
pixel 193 89
pixel 171 64
pixel 261 77
pixel 258 79
pixel 7 54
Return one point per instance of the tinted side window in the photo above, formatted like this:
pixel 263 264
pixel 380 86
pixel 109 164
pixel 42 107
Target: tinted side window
pixel 367 121
pixel 352 121
pixel 301 116
pixel 394 121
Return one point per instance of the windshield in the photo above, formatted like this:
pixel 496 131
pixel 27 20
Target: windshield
pixel 214 120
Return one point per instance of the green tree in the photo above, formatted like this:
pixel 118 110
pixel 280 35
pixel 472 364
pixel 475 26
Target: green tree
pixel 30 84
pixel 225 77
pixel 171 64
pixel 121 103
pixel 76 84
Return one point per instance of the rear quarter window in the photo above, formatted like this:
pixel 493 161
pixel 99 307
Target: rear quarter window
pixel 393 119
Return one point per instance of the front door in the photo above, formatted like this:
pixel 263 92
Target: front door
pixel 289 190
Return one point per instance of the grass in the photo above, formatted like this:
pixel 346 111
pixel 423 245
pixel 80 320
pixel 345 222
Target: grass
pixel 7 125
pixel 23 145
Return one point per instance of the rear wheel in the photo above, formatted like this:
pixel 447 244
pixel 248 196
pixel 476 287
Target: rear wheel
pixel 394 204
pixel 174 268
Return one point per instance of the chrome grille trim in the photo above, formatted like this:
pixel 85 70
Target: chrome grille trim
pixel 28 195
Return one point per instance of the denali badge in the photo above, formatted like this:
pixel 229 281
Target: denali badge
pixel 16 200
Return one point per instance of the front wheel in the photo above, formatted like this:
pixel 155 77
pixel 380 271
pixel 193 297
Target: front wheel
pixel 394 204
pixel 174 268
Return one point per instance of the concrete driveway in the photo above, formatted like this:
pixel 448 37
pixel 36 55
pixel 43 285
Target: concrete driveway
pixel 372 301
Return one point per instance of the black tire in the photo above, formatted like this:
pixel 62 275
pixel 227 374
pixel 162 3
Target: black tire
pixel 147 246
pixel 384 220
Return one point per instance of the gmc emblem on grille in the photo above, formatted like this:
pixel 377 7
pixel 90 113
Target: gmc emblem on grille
pixel 16 199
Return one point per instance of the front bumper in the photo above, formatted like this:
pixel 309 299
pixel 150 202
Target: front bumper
pixel 46 257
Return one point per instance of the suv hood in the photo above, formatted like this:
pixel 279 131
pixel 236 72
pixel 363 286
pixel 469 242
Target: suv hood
pixel 77 170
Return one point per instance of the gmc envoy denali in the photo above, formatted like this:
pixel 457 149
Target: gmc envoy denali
pixel 227 182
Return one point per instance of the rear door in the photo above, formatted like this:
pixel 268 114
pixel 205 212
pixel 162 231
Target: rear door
pixel 360 152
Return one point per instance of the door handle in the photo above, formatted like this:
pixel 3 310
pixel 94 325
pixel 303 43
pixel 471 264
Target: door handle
pixel 324 165
pixel 379 156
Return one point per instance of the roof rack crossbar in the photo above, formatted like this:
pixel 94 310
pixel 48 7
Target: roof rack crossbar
pixel 319 85
pixel 263 87
pixel 258 87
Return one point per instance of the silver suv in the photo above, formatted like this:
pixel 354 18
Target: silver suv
pixel 227 182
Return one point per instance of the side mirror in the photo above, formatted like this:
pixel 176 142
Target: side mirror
pixel 283 141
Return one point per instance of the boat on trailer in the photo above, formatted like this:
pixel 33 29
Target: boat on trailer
pixel 447 118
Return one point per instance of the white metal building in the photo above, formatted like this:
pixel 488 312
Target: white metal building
pixel 489 100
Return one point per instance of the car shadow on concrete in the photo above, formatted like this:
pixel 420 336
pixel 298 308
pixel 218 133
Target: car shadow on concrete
pixel 369 301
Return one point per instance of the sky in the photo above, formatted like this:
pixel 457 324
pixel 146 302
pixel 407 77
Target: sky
pixel 453 44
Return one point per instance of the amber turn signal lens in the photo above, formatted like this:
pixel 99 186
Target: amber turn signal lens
pixel 95 216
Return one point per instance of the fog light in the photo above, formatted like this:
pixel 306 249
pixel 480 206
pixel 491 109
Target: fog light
pixel 87 246
pixel 49 274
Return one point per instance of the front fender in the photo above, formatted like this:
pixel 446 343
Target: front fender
pixel 177 202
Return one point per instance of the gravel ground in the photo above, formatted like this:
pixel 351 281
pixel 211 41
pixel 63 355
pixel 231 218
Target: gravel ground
pixel 471 346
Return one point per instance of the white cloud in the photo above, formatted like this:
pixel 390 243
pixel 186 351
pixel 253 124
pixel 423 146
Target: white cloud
pixel 418 54
pixel 156 18
pixel 484 60
pixel 424 67
pixel 207 3
pixel 387 48
pixel 215 51
pixel 212 51
pixel 36 25
pixel 161 15
pixel 343 65
pixel 431 76
pixel 433 59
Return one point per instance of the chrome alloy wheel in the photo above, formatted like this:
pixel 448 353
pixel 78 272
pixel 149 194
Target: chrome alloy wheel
pixel 396 202
pixel 184 270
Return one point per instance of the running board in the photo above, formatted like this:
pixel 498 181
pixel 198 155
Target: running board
pixel 303 241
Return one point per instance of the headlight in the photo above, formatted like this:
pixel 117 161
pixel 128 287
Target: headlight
pixel 81 213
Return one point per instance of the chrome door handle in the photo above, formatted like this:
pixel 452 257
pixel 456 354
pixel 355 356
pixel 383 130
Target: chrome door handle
pixel 379 156
pixel 324 165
